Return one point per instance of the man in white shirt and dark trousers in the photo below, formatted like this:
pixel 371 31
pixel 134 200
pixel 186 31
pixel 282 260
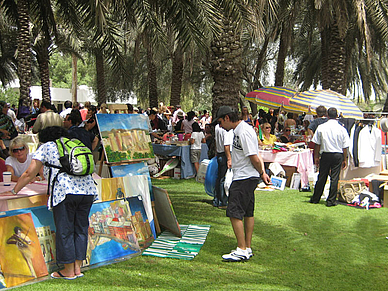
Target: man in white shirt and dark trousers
pixel 247 166
pixel 331 144
pixel 224 140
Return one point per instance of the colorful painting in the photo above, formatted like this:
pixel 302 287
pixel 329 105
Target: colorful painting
pixel 21 257
pixel 45 229
pixel 125 137
pixel 124 187
pixel 141 222
pixel 113 232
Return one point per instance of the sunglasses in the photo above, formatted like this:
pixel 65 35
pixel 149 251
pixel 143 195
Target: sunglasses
pixel 288 130
pixel 268 127
pixel 17 150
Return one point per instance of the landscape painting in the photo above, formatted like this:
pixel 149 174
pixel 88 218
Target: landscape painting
pixel 125 137
pixel 21 257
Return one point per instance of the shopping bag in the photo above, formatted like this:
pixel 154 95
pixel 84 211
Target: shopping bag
pixel 228 181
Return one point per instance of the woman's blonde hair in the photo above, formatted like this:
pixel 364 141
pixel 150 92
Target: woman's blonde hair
pixel 17 141
pixel 264 125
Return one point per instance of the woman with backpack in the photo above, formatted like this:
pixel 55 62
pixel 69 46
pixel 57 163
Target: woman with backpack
pixel 70 200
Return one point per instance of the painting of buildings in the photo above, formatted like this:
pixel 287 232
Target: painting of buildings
pixel 125 137
pixel 112 233
pixel 21 257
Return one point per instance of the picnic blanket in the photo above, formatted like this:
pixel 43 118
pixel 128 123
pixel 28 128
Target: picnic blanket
pixel 167 245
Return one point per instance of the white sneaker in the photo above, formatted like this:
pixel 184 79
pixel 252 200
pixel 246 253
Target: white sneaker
pixel 237 255
pixel 250 253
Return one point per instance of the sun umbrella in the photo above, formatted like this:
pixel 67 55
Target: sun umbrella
pixel 272 97
pixel 327 98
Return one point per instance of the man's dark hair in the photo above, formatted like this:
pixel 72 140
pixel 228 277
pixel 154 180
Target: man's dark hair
pixel 150 112
pixel 68 104
pixel 190 115
pixel 196 127
pixel 52 133
pixel 332 113
pixel 233 116
pixel 45 104
pixel 130 107
pixel 321 111
pixel 74 117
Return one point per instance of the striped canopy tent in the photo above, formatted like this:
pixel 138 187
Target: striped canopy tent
pixel 274 97
pixel 327 98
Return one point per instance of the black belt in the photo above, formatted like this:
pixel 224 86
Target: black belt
pixel 221 154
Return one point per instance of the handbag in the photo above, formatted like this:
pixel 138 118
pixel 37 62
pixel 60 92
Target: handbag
pixel 348 190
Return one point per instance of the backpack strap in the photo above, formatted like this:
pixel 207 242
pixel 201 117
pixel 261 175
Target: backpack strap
pixel 54 180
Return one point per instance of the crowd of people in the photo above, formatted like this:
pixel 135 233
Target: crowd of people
pixel 234 138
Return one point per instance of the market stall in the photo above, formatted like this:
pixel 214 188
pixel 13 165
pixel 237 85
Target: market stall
pixel 187 168
pixel 302 161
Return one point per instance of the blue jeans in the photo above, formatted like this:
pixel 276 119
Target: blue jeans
pixel 220 198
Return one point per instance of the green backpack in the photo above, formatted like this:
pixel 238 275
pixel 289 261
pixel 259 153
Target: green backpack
pixel 76 159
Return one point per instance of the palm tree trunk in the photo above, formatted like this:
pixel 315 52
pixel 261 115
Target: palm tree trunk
pixel 176 77
pixel 24 54
pixel 73 78
pixel 282 54
pixel 152 79
pixel 333 60
pixel 225 67
pixel 44 71
pixel 100 70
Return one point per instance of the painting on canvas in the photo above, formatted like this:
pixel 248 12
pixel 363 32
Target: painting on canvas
pixel 45 229
pixel 141 222
pixel 125 137
pixel 112 233
pixel 21 257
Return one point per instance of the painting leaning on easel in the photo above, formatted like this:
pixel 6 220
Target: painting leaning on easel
pixel 21 257
pixel 125 137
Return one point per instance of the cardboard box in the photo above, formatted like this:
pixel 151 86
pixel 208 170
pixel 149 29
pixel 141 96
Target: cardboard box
pixel 385 197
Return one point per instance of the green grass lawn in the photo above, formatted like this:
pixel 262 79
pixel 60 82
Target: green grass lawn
pixel 297 246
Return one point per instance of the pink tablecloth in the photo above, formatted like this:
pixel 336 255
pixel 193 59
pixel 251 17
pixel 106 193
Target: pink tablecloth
pixel 28 191
pixel 302 161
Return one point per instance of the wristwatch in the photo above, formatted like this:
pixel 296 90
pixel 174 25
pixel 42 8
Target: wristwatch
pixel 13 192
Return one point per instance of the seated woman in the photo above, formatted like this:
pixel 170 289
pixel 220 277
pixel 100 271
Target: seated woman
pixel 268 138
pixel 19 160
pixel 286 136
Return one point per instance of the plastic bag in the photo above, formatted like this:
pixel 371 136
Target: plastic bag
pixel 228 181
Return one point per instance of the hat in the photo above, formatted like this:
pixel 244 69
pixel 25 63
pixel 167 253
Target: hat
pixel 180 114
pixel 222 111
pixel 135 109
pixel 384 124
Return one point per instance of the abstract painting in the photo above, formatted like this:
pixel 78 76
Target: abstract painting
pixel 125 137
pixel 21 257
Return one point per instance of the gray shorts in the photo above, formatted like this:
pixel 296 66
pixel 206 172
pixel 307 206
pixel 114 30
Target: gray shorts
pixel 195 156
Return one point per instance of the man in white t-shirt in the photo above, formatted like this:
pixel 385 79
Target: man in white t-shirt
pixel 330 155
pixel 224 141
pixel 248 167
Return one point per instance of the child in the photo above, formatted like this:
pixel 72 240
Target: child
pixel 197 137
